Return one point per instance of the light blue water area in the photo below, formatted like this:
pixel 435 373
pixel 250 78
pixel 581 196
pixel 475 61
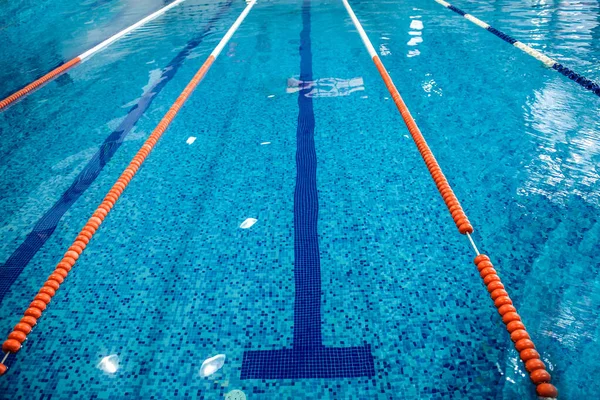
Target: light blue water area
pixel 171 279
pixel 568 31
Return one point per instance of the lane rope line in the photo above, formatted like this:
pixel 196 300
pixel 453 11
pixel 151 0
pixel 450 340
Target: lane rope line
pixel 40 302
pixel 544 59
pixel 83 56
pixel 523 343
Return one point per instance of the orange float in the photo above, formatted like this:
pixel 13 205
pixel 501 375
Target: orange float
pixel 518 334
pixel 33 312
pixel 29 321
pixel 18 336
pixel 11 346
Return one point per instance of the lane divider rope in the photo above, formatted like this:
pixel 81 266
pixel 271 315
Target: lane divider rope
pixel 40 302
pixel 83 56
pixel 498 293
pixel 547 61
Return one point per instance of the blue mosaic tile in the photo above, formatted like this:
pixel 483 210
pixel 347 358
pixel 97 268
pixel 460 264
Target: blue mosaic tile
pixel 391 305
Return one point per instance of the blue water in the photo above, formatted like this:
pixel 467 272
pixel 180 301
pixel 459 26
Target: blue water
pixel 170 279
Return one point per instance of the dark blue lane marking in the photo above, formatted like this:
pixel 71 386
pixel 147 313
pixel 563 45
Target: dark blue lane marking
pixel 48 223
pixel 457 10
pixel 572 75
pixel 502 35
pixel 307 358
pixel 495 31
pixel 575 77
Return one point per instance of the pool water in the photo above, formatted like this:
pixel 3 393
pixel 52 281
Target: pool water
pixel 294 128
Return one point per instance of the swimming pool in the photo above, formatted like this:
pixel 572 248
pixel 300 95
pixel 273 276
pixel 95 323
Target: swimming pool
pixel 293 106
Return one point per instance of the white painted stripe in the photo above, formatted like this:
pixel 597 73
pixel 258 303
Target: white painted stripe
pixel 442 2
pixel 215 53
pixel 361 31
pixel 125 31
pixel 476 21
pixel 536 54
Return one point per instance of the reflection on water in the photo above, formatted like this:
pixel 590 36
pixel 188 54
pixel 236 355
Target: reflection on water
pixel 248 223
pixel 212 365
pixel 569 31
pixel 109 364
pixel 383 50
pixel 568 145
pixel 416 26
